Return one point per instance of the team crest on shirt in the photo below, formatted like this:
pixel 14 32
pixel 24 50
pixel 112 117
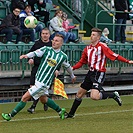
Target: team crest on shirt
pixel 96 53
pixel 51 62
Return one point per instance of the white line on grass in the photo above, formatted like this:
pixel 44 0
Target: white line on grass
pixel 85 114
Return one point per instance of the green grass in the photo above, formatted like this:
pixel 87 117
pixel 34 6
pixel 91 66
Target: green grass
pixel 91 117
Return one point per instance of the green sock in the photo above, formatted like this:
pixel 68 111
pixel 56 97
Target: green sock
pixel 18 108
pixel 53 105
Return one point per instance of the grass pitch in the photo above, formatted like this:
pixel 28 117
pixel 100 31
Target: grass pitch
pixel 103 116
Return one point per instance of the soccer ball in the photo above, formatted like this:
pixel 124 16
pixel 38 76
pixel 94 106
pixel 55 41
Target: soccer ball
pixel 30 22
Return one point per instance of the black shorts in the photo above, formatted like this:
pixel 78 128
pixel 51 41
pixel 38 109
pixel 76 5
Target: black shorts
pixel 93 80
pixel 33 74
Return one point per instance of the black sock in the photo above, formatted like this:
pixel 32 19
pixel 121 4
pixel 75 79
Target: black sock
pixel 35 102
pixel 75 105
pixel 106 95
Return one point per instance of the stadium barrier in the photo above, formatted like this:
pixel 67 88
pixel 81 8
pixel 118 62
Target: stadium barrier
pixel 11 66
pixel 10 52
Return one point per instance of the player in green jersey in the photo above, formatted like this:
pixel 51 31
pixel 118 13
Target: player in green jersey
pixel 52 59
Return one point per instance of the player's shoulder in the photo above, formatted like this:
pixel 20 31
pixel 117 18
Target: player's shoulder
pixel 49 48
pixel 44 48
pixel 103 44
pixel 64 54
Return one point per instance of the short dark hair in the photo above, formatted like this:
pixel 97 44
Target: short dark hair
pixel 16 8
pixel 99 31
pixel 45 29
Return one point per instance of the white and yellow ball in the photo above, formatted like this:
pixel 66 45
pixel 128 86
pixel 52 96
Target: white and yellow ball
pixel 30 22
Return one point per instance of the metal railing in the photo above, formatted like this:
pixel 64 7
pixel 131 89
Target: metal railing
pixel 112 14
pixel 10 62
pixel 106 4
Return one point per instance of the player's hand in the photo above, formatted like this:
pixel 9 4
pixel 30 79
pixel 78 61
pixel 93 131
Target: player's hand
pixel 31 61
pixel 131 62
pixel 74 79
pixel 23 56
pixel 56 73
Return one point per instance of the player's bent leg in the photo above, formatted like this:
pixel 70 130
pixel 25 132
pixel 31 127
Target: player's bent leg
pixel 95 95
pixel 76 103
pixel 115 95
pixel 18 107
pixel 43 100
pixel 45 107
pixel 50 103
pixel 33 106
pixel 81 92
pixel 117 98
pixel 26 97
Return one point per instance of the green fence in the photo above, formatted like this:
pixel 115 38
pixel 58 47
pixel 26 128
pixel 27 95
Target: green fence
pixel 10 62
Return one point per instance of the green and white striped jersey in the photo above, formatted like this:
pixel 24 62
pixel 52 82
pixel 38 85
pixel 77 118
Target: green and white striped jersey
pixel 50 62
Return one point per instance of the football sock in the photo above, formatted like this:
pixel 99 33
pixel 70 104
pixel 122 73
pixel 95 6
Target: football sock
pixel 53 105
pixel 35 102
pixel 75 105
pixel 18 108
pixel 106 95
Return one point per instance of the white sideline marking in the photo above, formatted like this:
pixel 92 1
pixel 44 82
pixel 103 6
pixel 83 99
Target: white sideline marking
pixel 85 114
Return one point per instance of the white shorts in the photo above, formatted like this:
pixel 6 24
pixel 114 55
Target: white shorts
pixel 38 90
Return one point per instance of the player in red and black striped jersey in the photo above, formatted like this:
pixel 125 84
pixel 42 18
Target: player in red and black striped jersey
pixel 95 56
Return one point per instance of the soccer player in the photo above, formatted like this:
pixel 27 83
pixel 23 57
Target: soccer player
pixel 43 41
pixel 52 59
pixel 95 56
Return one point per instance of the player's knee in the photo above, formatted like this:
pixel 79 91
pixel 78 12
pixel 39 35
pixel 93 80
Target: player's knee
pixel 26 97
pixel 43 99
pixel 94 96
pixel 81 93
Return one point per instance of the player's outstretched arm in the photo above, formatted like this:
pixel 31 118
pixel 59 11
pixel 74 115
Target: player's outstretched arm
pixel 70 71
pixel 74 79
pixel 23 56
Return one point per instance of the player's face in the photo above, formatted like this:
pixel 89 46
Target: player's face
pixel 45 35
pixel 57 42
pixel 94 37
